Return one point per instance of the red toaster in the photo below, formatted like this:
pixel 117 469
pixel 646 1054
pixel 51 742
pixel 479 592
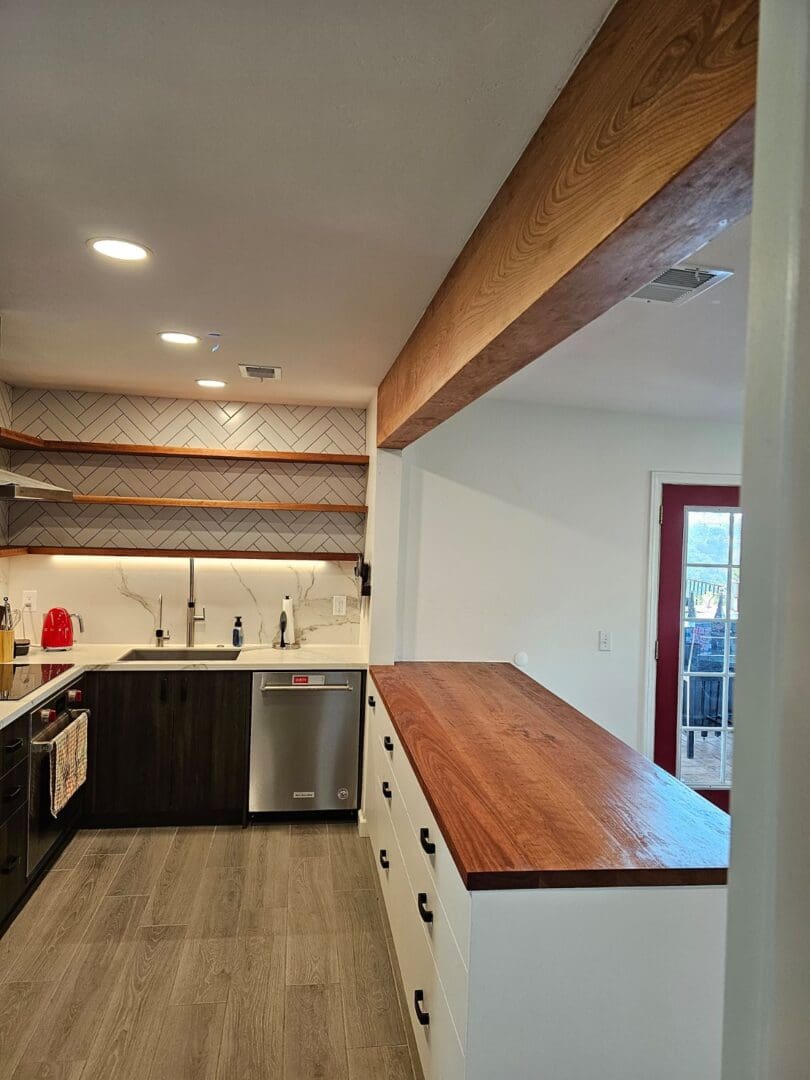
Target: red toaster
pixel 57 629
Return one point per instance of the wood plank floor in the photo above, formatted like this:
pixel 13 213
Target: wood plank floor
pixel 205 954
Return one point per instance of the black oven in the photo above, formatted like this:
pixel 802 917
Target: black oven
pixel 44 830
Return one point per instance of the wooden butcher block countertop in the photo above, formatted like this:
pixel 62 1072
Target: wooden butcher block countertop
pixel 529 793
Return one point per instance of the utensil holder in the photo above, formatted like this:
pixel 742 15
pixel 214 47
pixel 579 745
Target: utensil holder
pixel 6 646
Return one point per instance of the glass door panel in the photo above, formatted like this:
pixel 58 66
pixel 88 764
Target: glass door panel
pixel 708 640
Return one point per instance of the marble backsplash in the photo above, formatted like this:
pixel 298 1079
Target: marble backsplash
pixel 118 597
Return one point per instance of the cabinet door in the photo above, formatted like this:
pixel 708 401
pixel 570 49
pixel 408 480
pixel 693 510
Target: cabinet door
pixel 131 745
pixel 13 835
pixel 209 748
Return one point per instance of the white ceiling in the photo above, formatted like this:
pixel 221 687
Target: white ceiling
pixel 305 173
pixel 682 360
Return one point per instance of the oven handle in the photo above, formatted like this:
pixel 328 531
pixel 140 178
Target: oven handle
pixel 44 746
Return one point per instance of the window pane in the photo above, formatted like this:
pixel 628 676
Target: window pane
pixel 702 704
pixel 735 545
pixel 709 645
pixel 735 593
pixel 729 755
pixel 707 536
pixel 705 590
pixel 704 646
pixel 702 758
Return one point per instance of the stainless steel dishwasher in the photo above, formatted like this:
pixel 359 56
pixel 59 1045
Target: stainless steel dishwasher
pixel 305 741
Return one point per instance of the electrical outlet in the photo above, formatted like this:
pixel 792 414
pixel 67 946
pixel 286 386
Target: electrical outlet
pixel 29 599
pixel 338 605
pixel 604 641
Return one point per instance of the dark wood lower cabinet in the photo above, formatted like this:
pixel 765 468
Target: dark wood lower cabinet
pixel 130 751
pixel 168 746
pixel 13 833
pixel 210 743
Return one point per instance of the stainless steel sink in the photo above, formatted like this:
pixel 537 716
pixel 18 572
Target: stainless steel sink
pixel 169 655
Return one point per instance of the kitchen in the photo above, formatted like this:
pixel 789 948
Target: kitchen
pixel 197 727
pixel 334 448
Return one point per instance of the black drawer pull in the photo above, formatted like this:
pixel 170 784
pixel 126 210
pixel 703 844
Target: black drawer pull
pixel 10 864
pixel 421 1015
pixel 372 702
pixel 13 747
pixel 15 793
pixel 384 860
pixel 388 742
pixel 386 789
pixel 424 910
pixel 427 844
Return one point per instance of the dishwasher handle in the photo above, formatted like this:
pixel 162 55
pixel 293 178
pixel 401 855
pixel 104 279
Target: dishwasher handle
pixel 316 686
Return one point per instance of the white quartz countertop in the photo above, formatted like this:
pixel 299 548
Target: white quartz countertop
pixel 108 658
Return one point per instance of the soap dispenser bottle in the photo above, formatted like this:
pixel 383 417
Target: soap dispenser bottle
pixel 238 633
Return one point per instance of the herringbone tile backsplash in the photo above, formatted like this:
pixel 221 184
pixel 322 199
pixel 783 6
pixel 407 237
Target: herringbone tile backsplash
pixel 5 421
pixel 5 405
pixel 151 527
pixel 88 417
pixel 197 478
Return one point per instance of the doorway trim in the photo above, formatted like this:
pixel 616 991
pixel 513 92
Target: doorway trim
pixel 657 481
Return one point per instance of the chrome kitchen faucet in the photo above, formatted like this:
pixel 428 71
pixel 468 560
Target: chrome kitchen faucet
pixel 192 618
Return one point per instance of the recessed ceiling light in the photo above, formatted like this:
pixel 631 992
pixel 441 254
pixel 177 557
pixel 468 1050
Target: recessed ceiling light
pixel 175 337
pixel 213 384
pixel 119 249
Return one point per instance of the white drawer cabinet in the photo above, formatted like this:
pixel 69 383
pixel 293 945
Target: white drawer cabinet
pixel 564 983
pixel 436 1038
pixel 426 901
pixel 438 862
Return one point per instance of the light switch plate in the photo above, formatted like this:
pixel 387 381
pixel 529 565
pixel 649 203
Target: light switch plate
pixel 29 599
pixel 338 605
pixel 604 641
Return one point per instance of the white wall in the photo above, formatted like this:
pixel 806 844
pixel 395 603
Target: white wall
pixel 767 1035
pixel 526 528
pixel 378 631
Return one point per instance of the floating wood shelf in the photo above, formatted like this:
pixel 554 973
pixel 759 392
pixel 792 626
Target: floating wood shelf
pixel 18 440
pixel 181 553
pixel 222 504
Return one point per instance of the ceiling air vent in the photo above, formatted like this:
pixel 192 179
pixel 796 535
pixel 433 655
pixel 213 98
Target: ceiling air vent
pixel 256 371
pixel 680 284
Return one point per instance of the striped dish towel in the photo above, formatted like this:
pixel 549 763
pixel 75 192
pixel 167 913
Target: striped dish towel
pixel 68 763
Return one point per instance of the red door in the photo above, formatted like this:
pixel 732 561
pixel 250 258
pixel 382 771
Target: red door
pixel 697 636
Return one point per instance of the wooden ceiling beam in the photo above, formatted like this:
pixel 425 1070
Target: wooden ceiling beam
pixel 646 154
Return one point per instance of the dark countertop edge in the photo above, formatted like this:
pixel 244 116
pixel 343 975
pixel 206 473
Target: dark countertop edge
pixel 479 881
pixel 499 880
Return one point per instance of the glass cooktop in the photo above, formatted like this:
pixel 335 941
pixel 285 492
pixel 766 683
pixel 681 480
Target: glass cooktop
pixel 17 680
